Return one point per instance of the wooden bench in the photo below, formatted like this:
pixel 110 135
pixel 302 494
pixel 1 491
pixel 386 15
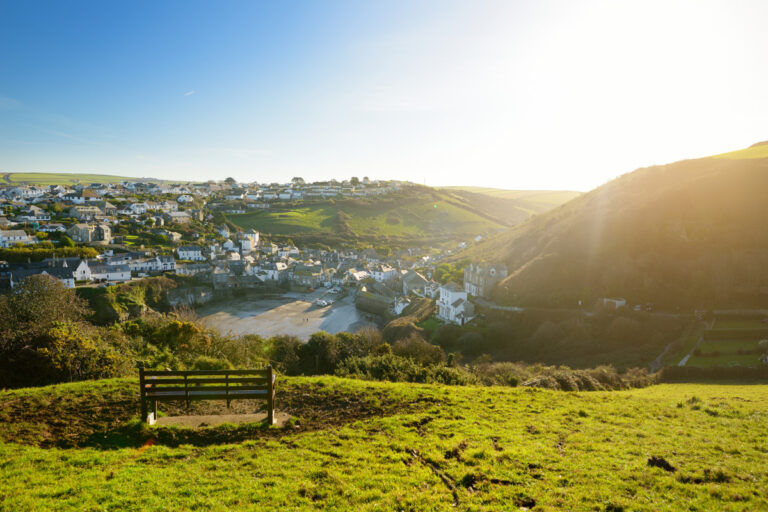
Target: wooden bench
pixel 165 386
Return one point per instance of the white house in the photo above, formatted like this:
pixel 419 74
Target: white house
pixel 82 272
pixel 113 273
pixel 15 236
pixel 167 262
pixel 270 271
pixel 185 199
pixel 190 252
pixel 383 272
pixel 143 264
pixel 453 306
pixel 52 228
pixel 229 245
pixel 614 303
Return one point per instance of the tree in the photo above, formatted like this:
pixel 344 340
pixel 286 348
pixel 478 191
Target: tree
pixel 42 333
pixel 33 306
pixel 67 242
pixel 297 181
pixel 355 181
pixel 284 351
pixel 320 354
pixel 417 348
pixel 230 181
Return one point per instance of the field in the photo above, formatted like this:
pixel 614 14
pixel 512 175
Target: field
pixel 358 445
pixel 299 220
pixel 62 178
pixel 732 341
pixel 412 218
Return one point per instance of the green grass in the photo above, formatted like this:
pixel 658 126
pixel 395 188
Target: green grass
pixel 61 178
pixel 725 360
pixel 300 220
pixel 739 323
pixel 430 324
pixel 408 219
pixel 475 448
pixel 727 346
pixel 417 218
pixel 550 198
pixel 729 355
pixel 748 153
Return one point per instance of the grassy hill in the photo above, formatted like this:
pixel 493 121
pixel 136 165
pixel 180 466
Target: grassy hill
pixel 417 215
pixel 535 201
pixel 62 178
pixel 687 234
pixel 358 445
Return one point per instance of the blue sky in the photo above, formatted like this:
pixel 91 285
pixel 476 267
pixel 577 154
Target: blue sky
pixel 529 95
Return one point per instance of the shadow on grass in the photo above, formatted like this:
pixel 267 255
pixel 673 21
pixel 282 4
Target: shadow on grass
pixel 110 421
pixel 135 434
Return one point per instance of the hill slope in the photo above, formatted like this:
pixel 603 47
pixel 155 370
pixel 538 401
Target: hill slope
pixel 419 215
pixel 63 178
pixel 691 233
pixel 533 201
pixel 384 446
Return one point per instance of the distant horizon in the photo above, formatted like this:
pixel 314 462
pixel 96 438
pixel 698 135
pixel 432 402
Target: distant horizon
pixel 282 180
pixel 360 176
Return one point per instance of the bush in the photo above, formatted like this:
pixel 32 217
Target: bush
pixel 284 352
pixel 66 352
pixel 210 363
pixel 390 367
pixel 320 354
pixel 416 348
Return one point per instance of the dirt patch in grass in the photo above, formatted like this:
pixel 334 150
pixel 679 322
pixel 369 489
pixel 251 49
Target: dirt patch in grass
pixel 111 419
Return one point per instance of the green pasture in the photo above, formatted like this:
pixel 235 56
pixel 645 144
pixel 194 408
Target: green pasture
pixel 444 448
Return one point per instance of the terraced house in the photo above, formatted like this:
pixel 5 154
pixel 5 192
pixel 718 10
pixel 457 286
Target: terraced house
pixel 86 233
pixel 480 278
pixel 12 237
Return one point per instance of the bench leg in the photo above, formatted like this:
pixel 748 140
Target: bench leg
pixel 271 410
pixel 155 410
pixel 144 411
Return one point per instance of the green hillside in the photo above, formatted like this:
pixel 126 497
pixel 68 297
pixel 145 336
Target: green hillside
pixel 357 445
pixel 420 215
pixel 537 201
pixel 687 234
pixel 62 178
pixel 759 150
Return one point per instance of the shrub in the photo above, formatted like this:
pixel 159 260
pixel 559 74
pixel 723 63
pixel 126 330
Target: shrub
pixel 416 348
pixel 67 351
pixel 284 352
pixel 210 363
pixel 320 354
pixel 393 368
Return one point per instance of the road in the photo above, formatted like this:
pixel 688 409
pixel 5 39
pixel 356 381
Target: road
pixel 294 313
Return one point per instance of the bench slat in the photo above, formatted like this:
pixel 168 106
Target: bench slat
pixel 215 380
pixel 176 389
pixel 160 373
pixel 202 395
pixel 165 386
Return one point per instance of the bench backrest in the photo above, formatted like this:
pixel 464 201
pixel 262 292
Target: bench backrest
pixel 206 384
